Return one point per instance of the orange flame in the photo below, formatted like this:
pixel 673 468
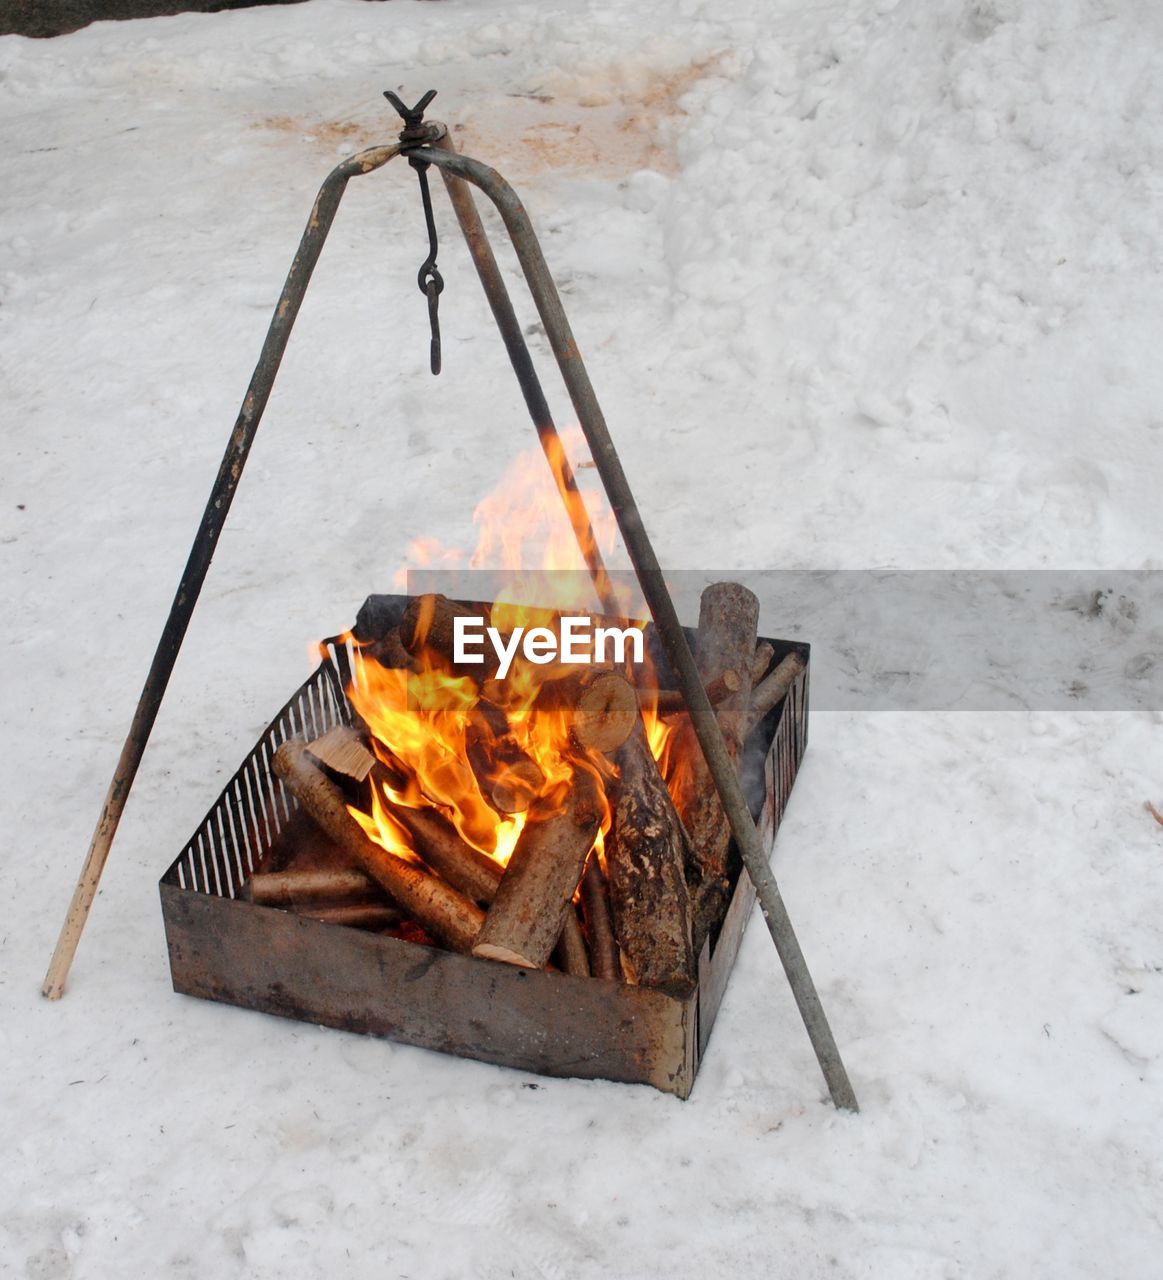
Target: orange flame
pixel 421 721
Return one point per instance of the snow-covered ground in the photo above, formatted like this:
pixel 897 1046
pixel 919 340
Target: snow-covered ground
pixel 860 284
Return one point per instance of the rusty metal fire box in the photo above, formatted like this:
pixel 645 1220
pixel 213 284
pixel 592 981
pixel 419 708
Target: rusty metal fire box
pixel 223 947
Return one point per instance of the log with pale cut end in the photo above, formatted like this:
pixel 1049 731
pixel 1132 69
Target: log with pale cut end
pixel 310 885
pixel 570 953
pixel 761 661
pixel 509 779
pixel 443 912
pixel 601 707
pixel 728 621
pixel 599 929
pixel 527 915
pixel 770 692
pixel 646 859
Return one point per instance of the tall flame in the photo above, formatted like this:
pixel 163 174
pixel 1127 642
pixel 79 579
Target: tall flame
pixel 421 721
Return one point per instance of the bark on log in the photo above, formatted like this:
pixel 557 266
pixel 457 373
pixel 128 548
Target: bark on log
pixel 527 915
pixel 444 913
pixel 596 905
pixel 389 651
pixel 728 620
pixel 770 692
pixel 508 778
pixel 670 702
pixel 429 620
pixel 761 661
pixel 437 841
pixel 355 915
pixel 646 859
pixel 601 705
pixel 570 952
pixel 317 886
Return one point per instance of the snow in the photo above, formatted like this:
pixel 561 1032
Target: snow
pixel 881 278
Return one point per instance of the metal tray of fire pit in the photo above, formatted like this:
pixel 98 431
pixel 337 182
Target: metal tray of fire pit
pixel 225 948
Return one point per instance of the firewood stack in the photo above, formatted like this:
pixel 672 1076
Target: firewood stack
pixel 621 870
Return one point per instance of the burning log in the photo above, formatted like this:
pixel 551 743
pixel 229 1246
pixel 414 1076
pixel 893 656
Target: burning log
pixel 596 905
pixel 468 870
pixel 670 702
pixel 322 885
pixel 509 779
pixel 443 912
pixel 728 620
pixel 601 705
pixel 770 692
pixel 430 620
pixel 536 892
pixel 646 858
pixel 388 650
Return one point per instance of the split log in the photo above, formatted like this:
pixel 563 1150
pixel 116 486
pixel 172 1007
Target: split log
pixel 601 706
pixel 761 661
pixel 508 778
pixel 728 621
pixel 527 915
pixel 570 952
pixel 443 912
pixel 320 885
pixel 343 750
pixel 646 859
pixel 670 702
pixel 770 692
pixel 596 905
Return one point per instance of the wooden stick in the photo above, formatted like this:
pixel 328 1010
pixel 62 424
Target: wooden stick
pixel 770 692
pixel 317 885
pixel 527 915
pixel 761 661
pixel 601 705
pixel 444 913
pixel 596 904
pixel 1153 812
pixel 355 915
pixel 570 951
pixel 646 857
pixel 670 702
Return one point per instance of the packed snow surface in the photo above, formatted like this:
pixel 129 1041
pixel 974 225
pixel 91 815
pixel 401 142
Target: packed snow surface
pixel 861 284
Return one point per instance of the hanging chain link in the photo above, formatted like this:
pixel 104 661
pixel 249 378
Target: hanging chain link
pixel 429 279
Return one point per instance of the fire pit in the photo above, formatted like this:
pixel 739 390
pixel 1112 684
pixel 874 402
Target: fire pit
pixel 224 946
pixel 502 992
